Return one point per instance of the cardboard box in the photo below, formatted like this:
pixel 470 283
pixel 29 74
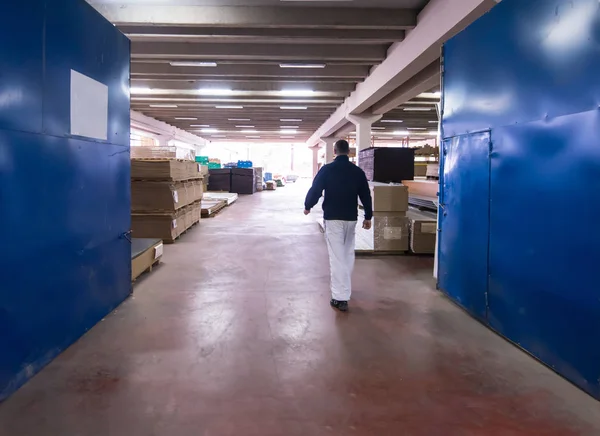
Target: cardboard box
pixel 166 226
pixel 391 232
pixel 389 198
pixel 162 226
pixel 164 196
pixel 423 232
pixel 169 170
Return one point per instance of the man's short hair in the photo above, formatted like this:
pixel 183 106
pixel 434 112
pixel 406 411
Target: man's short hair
pixel 342 147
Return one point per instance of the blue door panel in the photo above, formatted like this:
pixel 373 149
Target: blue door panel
pixel 75 45
pixel 64 201
pixel 21 50
pixel 523 61
pixel 68 264
pixel 545 242
pixel 463 272
pixel 528 72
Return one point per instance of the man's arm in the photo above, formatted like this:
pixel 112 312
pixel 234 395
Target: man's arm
pixel 364 193
pixel 314 194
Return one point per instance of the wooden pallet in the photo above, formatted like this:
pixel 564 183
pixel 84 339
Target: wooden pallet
pixel 212 208
pixel 147 270
pixel 145 257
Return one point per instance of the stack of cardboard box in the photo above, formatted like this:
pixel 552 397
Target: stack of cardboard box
pixel 390 224
pixel 165 197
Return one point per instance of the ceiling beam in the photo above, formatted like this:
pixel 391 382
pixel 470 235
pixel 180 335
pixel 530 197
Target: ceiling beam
pixel 254 70
pixel 280 52
pixel 421 82
pixel 267 35
pixel 439 21
pixel 259 17
pixel 159 83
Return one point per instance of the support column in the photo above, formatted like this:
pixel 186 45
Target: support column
pixel 329 143
pixel 163 140
pixel 363 125
pixel 315 162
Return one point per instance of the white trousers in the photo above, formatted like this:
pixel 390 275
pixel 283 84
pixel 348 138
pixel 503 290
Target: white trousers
pixel 341 236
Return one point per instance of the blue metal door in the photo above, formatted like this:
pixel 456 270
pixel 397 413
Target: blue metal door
pixel 464 221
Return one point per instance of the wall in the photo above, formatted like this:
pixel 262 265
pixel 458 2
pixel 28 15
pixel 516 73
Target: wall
pixel 526 76
pixel 64 195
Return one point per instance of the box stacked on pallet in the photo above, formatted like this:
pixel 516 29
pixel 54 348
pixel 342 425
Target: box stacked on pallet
pixel 423 231
pixel 258 176
pixel 390 225
pixel 220 180
pixel 165 197
pixel 243 181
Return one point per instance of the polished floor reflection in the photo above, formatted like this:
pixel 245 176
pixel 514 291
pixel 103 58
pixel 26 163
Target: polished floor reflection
pixel 233 336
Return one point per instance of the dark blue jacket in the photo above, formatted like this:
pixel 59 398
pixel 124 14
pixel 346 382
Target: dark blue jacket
pixel 343 183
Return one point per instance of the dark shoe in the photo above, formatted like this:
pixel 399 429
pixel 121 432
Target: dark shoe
pixel 342 306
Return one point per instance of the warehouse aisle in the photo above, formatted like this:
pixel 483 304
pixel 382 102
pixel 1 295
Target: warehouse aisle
pixel 233 336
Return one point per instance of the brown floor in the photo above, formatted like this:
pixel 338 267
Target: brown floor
pixel 233 336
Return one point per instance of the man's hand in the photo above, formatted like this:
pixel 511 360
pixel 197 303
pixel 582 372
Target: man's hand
pixel 306 212
pixel 367 225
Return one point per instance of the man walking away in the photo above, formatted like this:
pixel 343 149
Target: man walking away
pixel 343 183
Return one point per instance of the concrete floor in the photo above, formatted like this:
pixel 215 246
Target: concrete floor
pixel 233 336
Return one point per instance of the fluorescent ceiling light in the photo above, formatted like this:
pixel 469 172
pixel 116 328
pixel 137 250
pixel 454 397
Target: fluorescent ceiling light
pixel 292 108
pixel 163 105
pixel 290 120
pixel 433 122
pixel 249 131
pixel 418 109
pixel 297 92
pixel 140 90
pixel 239 119
pixel 302 65
pixel 288 127
pixel 199 125
pixel 433 133
pixel 402 133
pixel 218 136
pixel 430 95
pixel 245 127
pixel 209 130
pixel 392 121
pixel 208 91
pixel 186 119
pixel 416 128
pixel 253 137
pixel 193 64
pixel 287 137
pixel 378 128
pixel 229 107
pixel 288 131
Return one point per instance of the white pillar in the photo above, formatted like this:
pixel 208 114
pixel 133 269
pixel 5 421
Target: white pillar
pixel 329 143
pixel 315 163
pixel 363 125
pixel 163 140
